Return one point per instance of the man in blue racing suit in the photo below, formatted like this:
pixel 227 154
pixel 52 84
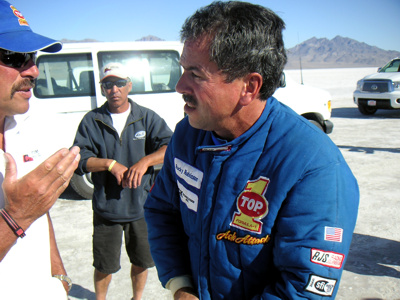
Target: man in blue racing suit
pixel 253 201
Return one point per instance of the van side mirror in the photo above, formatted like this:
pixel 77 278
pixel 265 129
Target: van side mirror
pixel 282 81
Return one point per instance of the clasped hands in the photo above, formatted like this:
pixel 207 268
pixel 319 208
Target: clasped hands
pixel 132 177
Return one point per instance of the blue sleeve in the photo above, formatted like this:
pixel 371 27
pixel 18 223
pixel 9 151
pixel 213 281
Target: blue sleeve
pixel 168 241
pixel 313 234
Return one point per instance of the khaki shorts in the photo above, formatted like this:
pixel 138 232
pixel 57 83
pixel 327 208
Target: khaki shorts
pixel 107 242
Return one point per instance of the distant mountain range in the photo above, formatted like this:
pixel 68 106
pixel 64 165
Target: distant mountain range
pixel 339 52
pixel 315 53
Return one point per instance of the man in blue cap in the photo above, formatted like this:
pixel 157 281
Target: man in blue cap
pixel 30 264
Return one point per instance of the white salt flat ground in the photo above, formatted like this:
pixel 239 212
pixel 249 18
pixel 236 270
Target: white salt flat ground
pixel 371 146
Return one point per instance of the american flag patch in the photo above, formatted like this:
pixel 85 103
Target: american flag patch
pixel 333 234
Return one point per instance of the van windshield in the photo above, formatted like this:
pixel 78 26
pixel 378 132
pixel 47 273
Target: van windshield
pixel 73 75
pixel 151 71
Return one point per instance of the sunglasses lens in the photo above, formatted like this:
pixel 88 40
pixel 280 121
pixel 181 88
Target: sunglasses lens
pixel 16 60
pixel 119 83
pixel 108 84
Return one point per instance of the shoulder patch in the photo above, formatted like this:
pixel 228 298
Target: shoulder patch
pixel 320 285
pixel 333 234
pixel 327 258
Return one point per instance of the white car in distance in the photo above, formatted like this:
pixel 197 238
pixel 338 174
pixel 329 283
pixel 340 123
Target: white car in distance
pixel 380 90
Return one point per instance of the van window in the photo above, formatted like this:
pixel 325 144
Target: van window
pixel 64 75
pixel 151 71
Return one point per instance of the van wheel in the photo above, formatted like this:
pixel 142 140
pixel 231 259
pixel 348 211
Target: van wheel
pixel 83 185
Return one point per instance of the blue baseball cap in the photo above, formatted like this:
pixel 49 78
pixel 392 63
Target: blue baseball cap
pixel 16 34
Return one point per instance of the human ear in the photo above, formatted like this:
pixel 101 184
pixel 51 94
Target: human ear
pixel 251 88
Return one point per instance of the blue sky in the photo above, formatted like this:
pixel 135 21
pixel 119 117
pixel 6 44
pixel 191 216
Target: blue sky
pixel 375 22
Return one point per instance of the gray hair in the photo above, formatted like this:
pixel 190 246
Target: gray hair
pixel 244 38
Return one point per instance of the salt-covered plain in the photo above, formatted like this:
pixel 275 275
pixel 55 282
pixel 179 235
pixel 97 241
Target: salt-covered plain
pixel 371 146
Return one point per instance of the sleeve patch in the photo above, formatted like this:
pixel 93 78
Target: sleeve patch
pixel 320 285
pixel 327 258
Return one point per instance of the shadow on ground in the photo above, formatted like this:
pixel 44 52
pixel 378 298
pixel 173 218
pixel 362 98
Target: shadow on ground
pixel 368 150
pixel 370 255
pixel 353 113
pixel 79 292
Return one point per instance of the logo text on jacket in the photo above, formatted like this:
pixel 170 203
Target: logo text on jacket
pixel 252 206
pixel 245 240
pixel 188 173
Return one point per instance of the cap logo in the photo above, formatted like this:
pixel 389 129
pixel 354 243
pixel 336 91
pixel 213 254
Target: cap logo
pixel 107 70
pixel 21 19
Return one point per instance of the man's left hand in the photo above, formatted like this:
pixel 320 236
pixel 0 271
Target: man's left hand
pixel 133 176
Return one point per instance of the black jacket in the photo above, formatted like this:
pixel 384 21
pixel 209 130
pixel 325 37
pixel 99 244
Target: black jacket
pixel 144 133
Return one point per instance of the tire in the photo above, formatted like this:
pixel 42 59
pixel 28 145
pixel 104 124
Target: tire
pixel 82 185
pixel 317 124
pixel 367 110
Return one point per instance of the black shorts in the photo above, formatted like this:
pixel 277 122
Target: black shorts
pixel 107 242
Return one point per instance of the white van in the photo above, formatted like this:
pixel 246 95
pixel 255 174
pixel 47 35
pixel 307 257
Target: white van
pixel 68 87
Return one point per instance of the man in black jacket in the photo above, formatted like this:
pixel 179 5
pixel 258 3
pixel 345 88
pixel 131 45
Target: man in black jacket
pixel 121 142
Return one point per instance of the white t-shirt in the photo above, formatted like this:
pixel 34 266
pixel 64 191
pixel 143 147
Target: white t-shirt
pixel 25 272
pixel 119 120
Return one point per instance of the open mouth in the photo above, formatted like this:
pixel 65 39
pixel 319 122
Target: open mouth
pixel 24 91
pixel 190 101
pixel 190 105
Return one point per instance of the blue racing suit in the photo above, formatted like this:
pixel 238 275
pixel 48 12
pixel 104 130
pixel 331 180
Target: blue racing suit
pixel 269 215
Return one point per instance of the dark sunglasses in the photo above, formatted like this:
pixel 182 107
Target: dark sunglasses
pixel 16 59
pixel 109 84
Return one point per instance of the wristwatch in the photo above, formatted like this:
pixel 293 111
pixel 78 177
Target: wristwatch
pixel 66 279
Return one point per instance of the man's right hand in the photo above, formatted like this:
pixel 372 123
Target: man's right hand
pixel 119 170
pixel 30 197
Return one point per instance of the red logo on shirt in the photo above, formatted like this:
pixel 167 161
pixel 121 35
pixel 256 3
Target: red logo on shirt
pixel 27 158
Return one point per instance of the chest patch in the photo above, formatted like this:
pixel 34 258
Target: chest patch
pixel 190 199
pixel 252 206
pixel 188 173
pixel 31 156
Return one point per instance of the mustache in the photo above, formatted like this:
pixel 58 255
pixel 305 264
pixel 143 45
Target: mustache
pixel 26 83
pixel 189 99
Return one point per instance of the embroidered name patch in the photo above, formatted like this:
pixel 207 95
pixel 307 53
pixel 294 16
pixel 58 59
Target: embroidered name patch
pixel 327 258
pixel 320 285
pixel 189 198
pixel 190 174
